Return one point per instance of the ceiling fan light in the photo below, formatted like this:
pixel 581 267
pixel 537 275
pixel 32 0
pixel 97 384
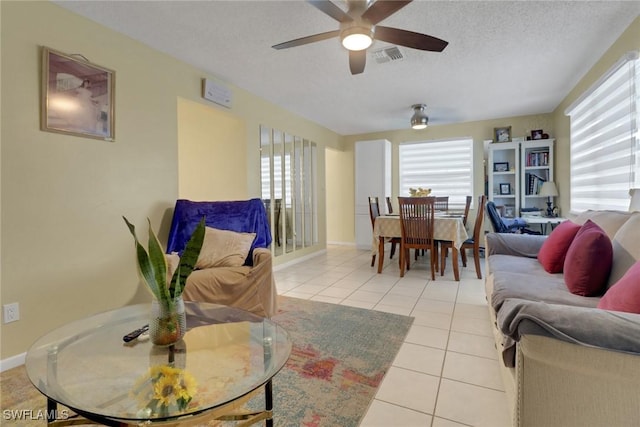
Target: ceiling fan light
pixel 356 38
pixel 419 120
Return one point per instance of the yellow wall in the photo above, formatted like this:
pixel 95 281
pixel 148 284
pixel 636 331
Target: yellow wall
pixel 66 253
pixel 211 153
pixel 340 203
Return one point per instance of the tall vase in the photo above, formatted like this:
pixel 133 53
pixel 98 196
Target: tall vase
pixel 168 323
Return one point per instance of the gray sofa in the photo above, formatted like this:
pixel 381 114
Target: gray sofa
pixel 564 362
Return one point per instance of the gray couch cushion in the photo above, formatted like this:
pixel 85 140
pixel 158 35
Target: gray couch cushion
pixel 534 285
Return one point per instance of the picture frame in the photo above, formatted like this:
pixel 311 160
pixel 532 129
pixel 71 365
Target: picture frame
pixel 501 167
pixel 536 134
pixel 505 188
pixel 502 134
pixel 77 97
pixel 509 211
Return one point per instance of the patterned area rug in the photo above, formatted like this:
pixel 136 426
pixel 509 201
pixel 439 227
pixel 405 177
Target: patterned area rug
pixel 340 356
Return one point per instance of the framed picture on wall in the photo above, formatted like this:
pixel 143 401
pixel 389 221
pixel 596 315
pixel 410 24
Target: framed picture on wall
pixel 77 96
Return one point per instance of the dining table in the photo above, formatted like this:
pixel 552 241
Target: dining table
pixel 447 227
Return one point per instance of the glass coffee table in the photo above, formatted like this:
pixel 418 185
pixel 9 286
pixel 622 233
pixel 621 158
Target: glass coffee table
pixel 225 358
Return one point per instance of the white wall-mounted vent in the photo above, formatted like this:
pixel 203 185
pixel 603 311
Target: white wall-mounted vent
pixel 386 55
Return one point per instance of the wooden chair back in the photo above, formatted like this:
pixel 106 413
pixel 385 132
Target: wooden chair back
pixel 374 209
pixel 477 228
pixel 467 205
pixel 416 222
pixel 389 205
pixel 441 203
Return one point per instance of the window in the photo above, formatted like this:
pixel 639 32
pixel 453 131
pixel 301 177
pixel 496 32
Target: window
pixel 444 166
pixel 604 139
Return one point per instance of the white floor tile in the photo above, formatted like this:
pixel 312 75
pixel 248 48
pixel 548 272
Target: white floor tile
pixel 435 306
pixel 393 309
pixel 383 414
pixel 429 318
pixel 473 370
pixel 399 301
pixel 441 422
pixel 426 336
pixel 419 358
pixel 409 389
pixel 358 304
pixel 471 326
pixel 472 405
pixel 476 345
pixel 366 296
pixel 324 298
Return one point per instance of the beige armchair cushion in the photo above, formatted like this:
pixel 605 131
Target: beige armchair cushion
pixel 224 248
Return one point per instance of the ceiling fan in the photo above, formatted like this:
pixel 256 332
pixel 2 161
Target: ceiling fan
pixel 358 29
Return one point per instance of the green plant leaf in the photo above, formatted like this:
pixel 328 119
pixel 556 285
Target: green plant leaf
pixel 144 264
pixel 159 266
pixel 188 260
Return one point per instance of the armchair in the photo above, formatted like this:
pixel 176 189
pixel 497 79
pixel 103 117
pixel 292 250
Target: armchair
pixel 250 286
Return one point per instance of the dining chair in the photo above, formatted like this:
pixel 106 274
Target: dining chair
pixel 389 205
pixel 374 212
pixel 467 206
pixel 472 243
pixel 416 226
pixel 441 203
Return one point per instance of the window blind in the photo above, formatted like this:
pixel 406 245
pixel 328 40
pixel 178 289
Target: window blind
pixel 604 140
pixel 445 166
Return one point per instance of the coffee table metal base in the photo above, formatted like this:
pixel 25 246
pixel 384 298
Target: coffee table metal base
pixel 232 411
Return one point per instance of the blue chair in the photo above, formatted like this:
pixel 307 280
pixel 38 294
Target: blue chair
pixel 506 225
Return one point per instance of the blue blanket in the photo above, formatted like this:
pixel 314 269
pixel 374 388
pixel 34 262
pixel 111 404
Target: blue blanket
pixel 245 216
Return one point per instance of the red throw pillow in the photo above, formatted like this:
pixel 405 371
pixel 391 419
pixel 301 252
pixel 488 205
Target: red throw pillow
pixel 588 261
pixel 554 249
pixel 624 295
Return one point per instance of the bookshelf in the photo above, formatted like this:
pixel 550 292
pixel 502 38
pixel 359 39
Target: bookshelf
pixel 504 179
pixel 536 168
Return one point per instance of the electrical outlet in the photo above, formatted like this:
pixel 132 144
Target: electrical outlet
pixel 11 312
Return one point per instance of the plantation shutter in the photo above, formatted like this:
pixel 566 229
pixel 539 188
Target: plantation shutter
pixel 444 166
pixel 604 140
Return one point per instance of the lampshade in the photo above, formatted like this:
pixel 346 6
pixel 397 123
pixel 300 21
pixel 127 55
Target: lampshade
pixel 548 189
pixel 634 205
pixel 357 38
pixel 419 120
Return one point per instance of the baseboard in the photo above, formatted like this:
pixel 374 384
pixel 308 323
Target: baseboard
pixel 341 243
pixel 12 362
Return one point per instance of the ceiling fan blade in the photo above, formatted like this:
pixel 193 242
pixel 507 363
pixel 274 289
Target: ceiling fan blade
pixel 332 10
pixel 308 39
pixel 409 39
pixel 382 9
pixel 357 60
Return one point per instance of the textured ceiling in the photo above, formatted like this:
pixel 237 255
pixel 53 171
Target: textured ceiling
pixel 504 58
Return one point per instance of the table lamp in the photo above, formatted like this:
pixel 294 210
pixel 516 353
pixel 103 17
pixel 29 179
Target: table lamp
pixel 549 190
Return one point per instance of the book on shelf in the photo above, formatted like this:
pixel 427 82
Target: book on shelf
pixel 538 157
pixel 534 183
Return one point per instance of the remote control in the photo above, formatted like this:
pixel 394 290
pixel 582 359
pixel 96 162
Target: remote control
pixel 135 334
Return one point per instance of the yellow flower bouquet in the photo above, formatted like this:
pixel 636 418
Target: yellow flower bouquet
pixel 164 390
pixel 420 192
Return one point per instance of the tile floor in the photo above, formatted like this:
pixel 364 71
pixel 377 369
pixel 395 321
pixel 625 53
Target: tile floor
pixel 446 373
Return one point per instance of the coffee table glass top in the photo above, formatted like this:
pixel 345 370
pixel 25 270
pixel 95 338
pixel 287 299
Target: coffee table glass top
pixel 225 354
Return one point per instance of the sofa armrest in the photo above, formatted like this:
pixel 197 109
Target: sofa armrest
pixel 585 326
pixel 562 384
pixel 524 245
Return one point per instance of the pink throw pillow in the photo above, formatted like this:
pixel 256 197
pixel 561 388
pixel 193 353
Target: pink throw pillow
pixel 554 249
pixel 624 295
pixel 588 261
